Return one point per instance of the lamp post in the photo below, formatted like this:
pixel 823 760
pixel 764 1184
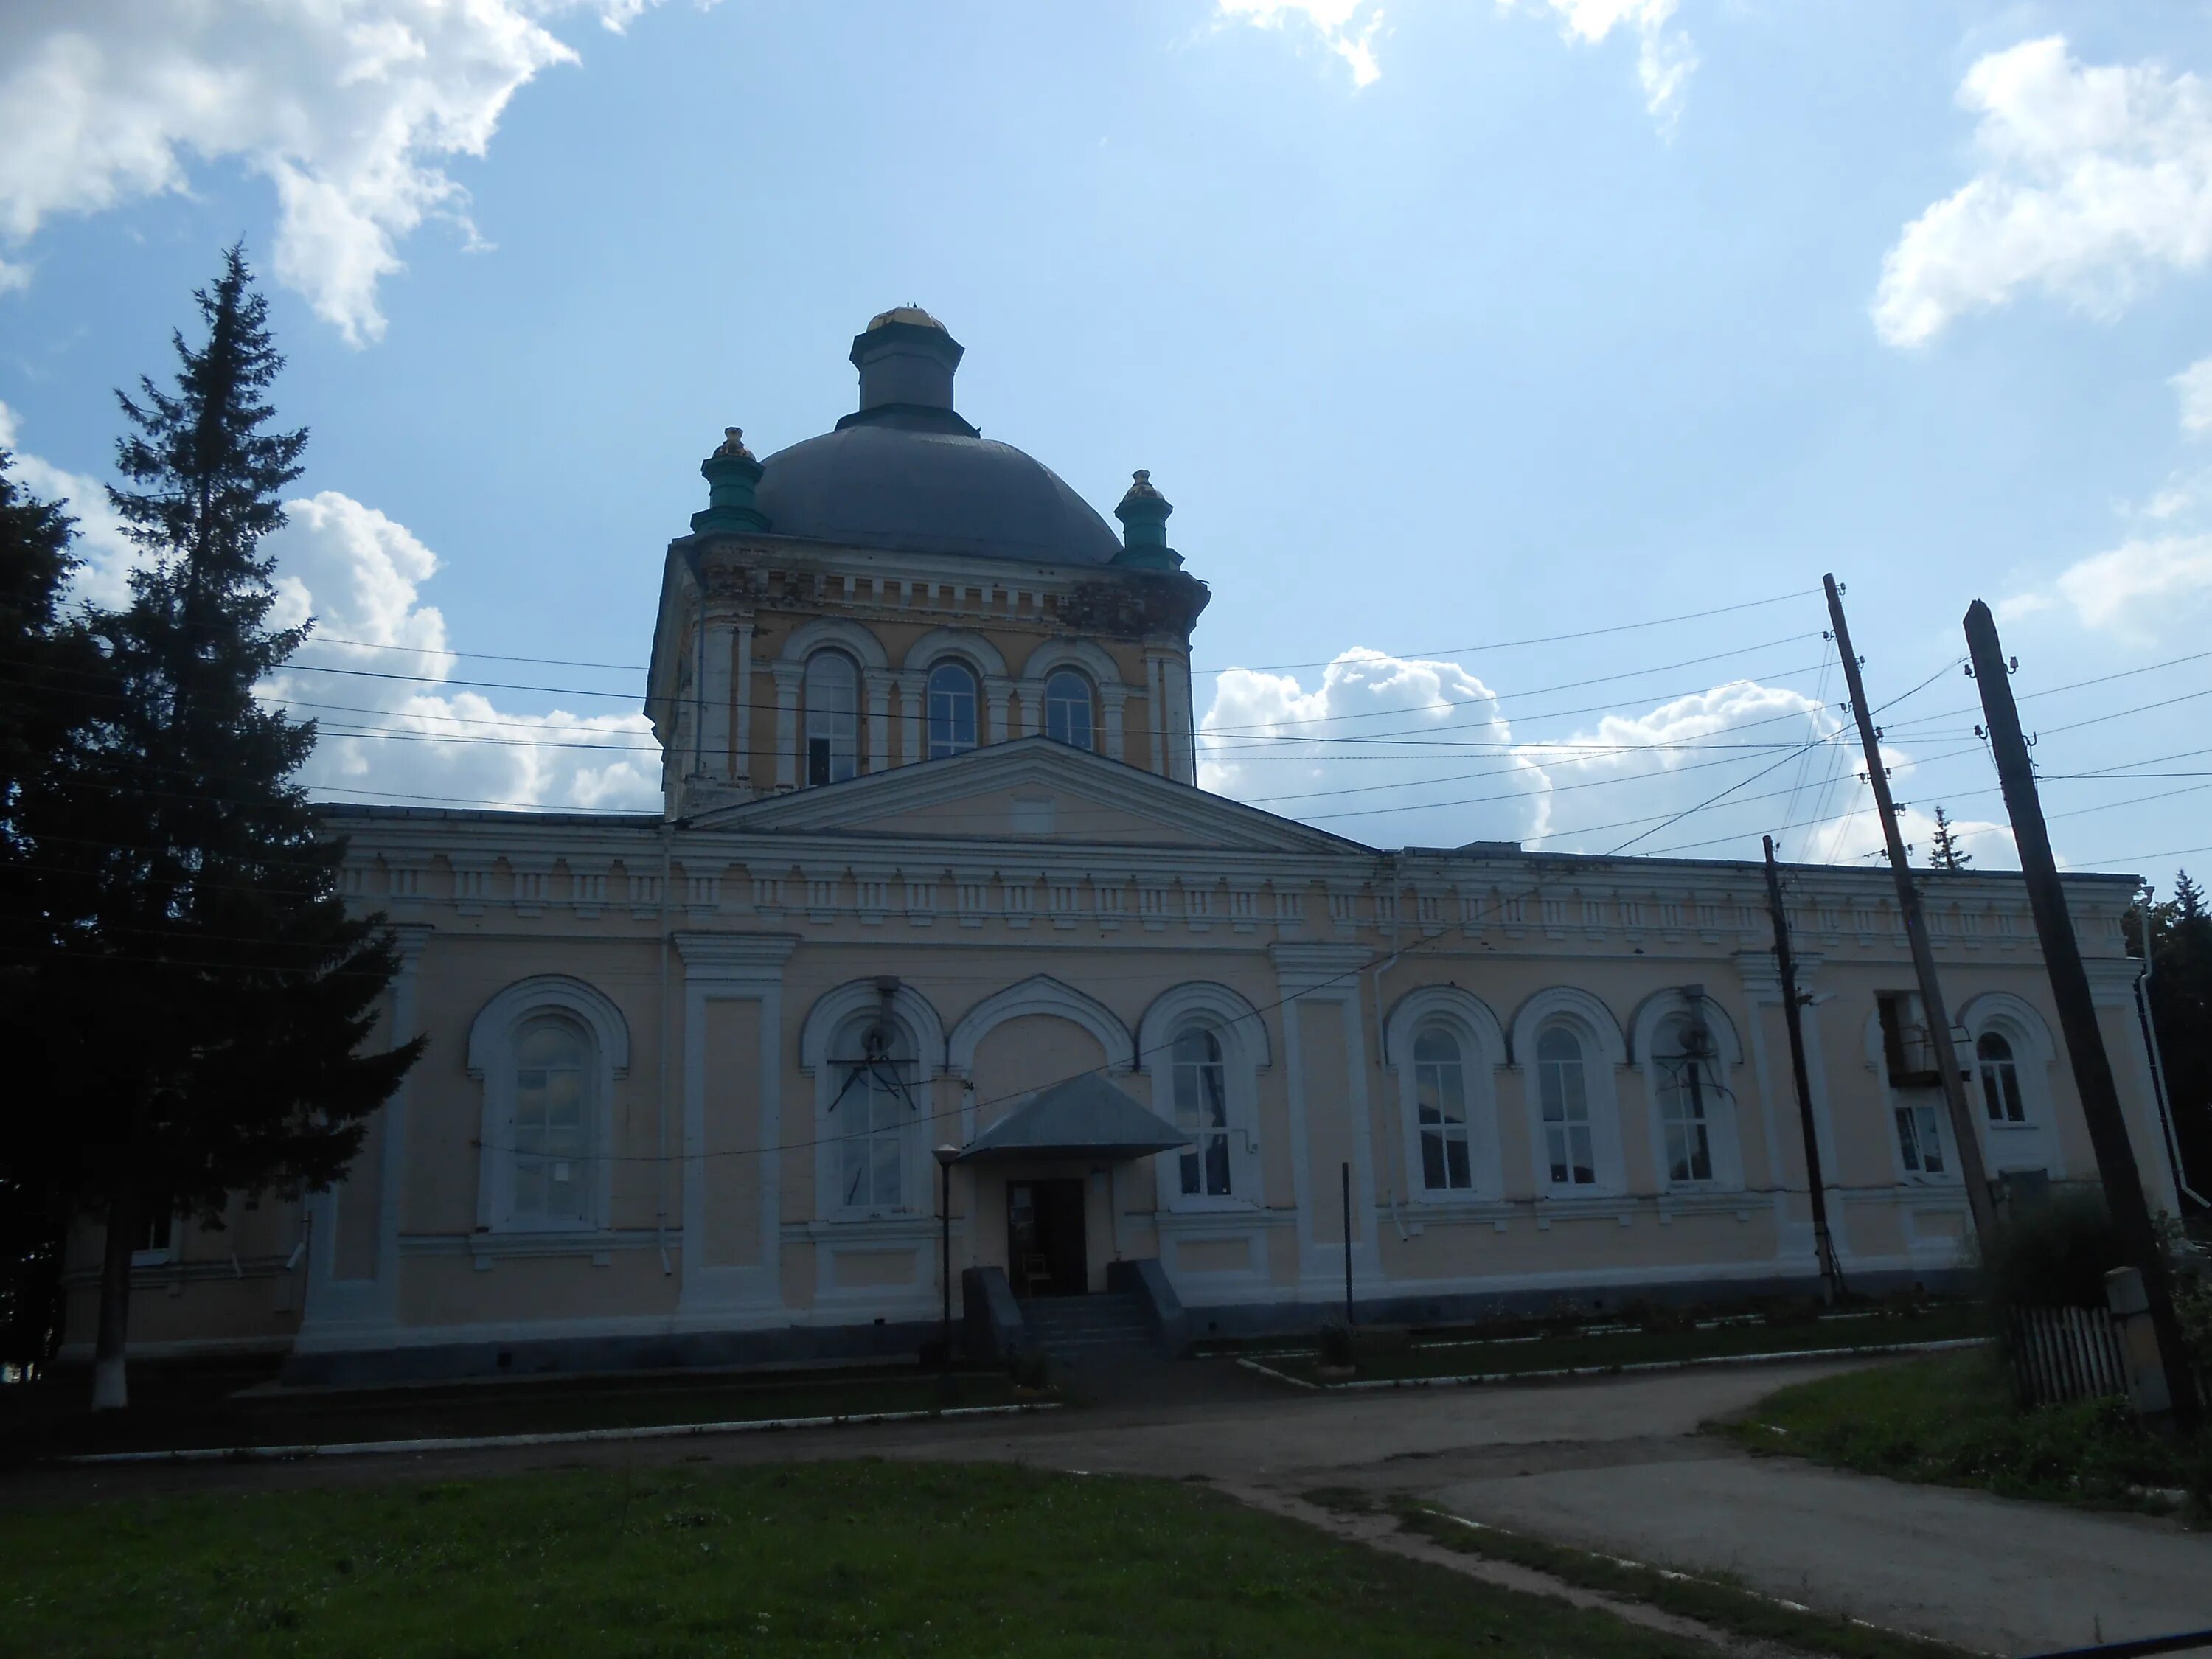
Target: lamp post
pixel 946 1155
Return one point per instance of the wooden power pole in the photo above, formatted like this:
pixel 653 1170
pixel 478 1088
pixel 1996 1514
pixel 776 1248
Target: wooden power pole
pixel 2077 1015
pixel 1824 1242
pixel 1963 1134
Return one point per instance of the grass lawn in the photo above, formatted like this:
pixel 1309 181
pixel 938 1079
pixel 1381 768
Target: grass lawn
pixel 817 1558
pixel 1948 1419
pixel 164 1418
pixel 1575 1349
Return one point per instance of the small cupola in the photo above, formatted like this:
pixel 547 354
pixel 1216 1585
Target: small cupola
pixel 732 474
pixel 1144 515
pixel 906 360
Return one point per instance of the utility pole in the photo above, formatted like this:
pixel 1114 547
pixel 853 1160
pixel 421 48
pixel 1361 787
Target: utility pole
pixel 1963 1134
pixel 1824 1242
pixel 2077 1015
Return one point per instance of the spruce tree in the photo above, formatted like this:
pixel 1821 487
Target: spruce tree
pixel 218 1002
pixel 1944 854
pixel 48 666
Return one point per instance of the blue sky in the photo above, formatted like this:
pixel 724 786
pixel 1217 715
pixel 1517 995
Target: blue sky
pixel 1442 323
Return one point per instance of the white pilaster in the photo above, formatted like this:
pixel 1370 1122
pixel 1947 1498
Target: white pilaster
pixel 743 746
pixel 735 967
pixel 715 698
pixel 996 689
pixel 788 675
pixel 877 683
pixel 1113 699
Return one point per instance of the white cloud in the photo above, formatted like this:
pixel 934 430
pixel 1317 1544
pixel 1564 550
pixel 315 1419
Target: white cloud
pixel 1346 27
pixel 2093 178
pixel 350 107
pixel 1664 56
pixel 107 555
pixel 1259 743
pixel 2194 387
pixel 1591 791
pixel 2143 587
pixel 359 574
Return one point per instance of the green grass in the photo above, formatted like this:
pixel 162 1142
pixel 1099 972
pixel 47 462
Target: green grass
pixel 162 1420
pixel 1949 1420
pixel 858 1558
pixel 1566 1350
pixel 1716 1601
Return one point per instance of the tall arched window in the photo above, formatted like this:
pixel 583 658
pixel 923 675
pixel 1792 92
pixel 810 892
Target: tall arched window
pixel 2001 1095
pixel 1440 1098
pixel 873 1111
pixel 1563 1095
pixel 550 1183
pixel 1689 1092
pixel 833 718
pixel 1067 709
pixel 1201 1111
pixel 952 710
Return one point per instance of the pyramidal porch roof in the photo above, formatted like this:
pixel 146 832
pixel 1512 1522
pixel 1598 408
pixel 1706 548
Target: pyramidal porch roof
pixel 1087 1116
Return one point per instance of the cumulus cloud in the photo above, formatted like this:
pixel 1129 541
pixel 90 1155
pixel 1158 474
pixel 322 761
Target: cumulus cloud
pixel 350 108
pixel 1397 752
pixel 1664 56
pixel 2093 178
pixel 1267 740
pixel 1346 27
pixel 358 575
pixel 105 553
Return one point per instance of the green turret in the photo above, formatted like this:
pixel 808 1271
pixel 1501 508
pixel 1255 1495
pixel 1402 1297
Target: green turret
pixel 730 473
pixel 1144 515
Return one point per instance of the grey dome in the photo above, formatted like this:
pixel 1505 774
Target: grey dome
pixel 884 483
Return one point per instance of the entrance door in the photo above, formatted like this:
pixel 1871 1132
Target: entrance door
pixel 1044 1238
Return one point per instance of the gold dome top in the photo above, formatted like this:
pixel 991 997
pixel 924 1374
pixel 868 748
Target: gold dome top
pixel 906 314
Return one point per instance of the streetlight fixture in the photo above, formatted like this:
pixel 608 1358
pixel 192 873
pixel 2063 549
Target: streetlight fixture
pixel 945 1156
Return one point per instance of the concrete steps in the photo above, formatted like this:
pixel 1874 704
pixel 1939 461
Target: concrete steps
pixel 1077 1332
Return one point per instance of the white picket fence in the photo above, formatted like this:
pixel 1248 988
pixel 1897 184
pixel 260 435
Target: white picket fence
pixel 2060 1354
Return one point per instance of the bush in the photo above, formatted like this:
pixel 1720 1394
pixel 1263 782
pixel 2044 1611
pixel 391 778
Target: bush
pixel 2054 1254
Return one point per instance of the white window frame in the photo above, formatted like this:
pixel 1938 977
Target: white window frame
pixel 1244 1054
pixel 2000 1108
pixel 1550 1069
pixel 1195 1162
pixel 2033 1142
pixel 971 688
pixel 824 1043
pixel 1655 1033
pixel 841 745
pixel 159 1227
pixel 898 1084
pixel 1604 1052
pixel 1056 698
pixel 1917 1116
pixel 1481 1042
pixel 492 1060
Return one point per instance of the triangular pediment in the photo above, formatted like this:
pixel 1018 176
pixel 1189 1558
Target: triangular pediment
pixel 1031 790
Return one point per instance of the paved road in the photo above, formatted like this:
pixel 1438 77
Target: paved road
pixel 1614 1463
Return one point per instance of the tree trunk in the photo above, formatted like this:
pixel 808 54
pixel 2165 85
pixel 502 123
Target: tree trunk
pixel 110 1392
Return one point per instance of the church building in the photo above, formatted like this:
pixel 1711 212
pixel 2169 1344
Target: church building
pixel 936 946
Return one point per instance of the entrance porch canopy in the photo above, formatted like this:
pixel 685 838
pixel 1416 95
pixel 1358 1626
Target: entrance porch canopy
pixel 1085 1116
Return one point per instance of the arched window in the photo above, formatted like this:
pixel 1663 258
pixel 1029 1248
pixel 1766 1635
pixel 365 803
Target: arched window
pixel 1689 1095
pixel 872 1113
pixel 550 1181
pixel 2000 1072
pixel 1201 1111
pixel 833 719
pixel 1440 1097
pixel 1563 1094
pixel 1067 709
pixel 952 710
